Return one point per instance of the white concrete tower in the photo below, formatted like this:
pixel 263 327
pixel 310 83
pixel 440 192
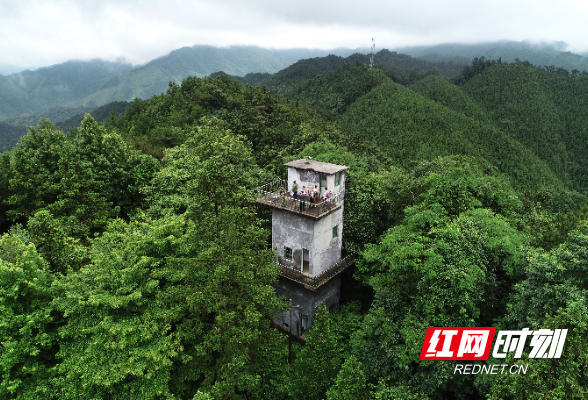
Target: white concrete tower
pixel 307 237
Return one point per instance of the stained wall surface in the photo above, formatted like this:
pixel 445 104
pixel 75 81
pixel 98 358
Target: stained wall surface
pixel 311 178
pixel 305 302
pixel 298 232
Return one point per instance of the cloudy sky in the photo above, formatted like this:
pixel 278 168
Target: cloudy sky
pixel 46 32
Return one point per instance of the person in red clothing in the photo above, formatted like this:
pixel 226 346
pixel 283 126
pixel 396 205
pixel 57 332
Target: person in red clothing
pixel 325 198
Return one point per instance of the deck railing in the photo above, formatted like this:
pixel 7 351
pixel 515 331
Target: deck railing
pixel 313 283
pixel 269 194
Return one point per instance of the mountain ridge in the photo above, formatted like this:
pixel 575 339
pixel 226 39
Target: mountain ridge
pixel 94 83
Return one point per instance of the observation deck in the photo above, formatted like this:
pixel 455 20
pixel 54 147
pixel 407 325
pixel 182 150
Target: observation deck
pixel 268 195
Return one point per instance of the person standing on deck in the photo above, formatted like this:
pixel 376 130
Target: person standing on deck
pixel 317 195
pixel 325 198
pixel 303 194
pixel 295 192
pixel 312 198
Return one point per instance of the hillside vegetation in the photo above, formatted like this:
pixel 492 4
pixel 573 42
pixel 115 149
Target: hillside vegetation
pixel 59 85
pixel 545 111
pixel 539 54
pixel 410 128
pixel 134 262
pixel 94 83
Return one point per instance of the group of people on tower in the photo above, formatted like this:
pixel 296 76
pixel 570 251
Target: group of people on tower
pixel 313 196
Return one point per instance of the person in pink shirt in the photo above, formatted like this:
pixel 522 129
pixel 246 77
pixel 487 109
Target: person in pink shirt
pixel 325 198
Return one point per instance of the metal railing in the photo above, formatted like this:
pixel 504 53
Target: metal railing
pixel 269 194
pixel 314 283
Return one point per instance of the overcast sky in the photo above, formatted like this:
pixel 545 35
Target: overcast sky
pixel 46 32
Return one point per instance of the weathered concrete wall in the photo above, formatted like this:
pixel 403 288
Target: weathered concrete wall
pixel 331 184
pixel 303 178
pixel 310 179
pixel 298 232
pixel 326 249
pixel 307 300
pixel 293 231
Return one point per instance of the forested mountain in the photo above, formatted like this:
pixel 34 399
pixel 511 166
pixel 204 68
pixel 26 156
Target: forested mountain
pixel 95 83
pixel 135 264
pixel 410 128
pixel 544 110
pixel 199 61
pixel 55 114
pixel 65 118
pixel 540 54
pixel 9 135
pixel 525 120
pixel 90 84
pixel 385 59
pixel 7 69
pixel 32 91
pixel 62 92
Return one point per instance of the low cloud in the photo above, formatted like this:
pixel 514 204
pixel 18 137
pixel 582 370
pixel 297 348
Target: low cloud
pixel 34 32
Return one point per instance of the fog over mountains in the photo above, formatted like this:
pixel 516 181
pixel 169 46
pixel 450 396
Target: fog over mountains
pixel 63 90
pixel 94 83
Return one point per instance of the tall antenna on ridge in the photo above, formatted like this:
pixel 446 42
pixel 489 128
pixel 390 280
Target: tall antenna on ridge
pixel 373 50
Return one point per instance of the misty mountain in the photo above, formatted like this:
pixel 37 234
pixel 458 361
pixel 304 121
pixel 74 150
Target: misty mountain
pixel 541 54
pixel 7 69
pixel 94 83
pixel 53 114
pixel 85 85
pixel 33 91
pixel 199 61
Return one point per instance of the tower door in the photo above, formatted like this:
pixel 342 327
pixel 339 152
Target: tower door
pixel 305 261
pixel 322 184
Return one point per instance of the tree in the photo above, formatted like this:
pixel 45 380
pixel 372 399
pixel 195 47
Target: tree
pixel 315 369
pixel 227 298
pixel 28 321
pixel 117 341
pixel 90 174
pixel 449 263
pixel 181 304
pixel 34 166
pixel 550 280
pixel 552 378
pixel 350 383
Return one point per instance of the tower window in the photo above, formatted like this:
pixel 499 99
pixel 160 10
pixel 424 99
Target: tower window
pixel 305 261
pixel 288 253
pixel 335 231
pixel 337 178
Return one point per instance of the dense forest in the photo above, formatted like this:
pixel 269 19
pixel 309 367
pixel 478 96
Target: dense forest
pixel 134 263
pixel 96 82
pixel 554 53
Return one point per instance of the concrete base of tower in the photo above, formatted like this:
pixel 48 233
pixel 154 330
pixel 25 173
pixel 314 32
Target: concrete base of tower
pixel 305 303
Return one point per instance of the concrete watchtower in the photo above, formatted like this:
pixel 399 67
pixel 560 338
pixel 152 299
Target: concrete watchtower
pixel 308 238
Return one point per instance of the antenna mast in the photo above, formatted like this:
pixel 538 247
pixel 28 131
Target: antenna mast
pixel 373 50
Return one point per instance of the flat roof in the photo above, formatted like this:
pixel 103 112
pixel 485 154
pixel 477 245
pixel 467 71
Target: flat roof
pixel 317 166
